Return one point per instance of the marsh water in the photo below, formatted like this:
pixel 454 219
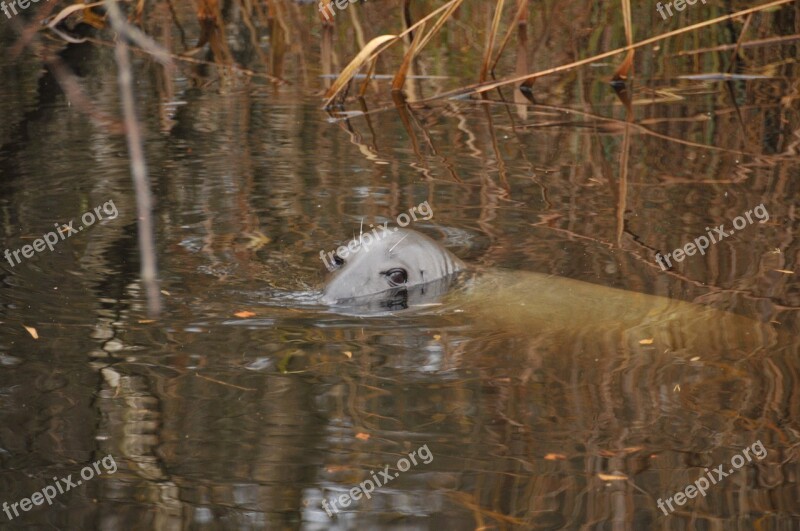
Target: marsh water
pixel 245 404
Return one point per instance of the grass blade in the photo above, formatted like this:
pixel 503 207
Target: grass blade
pixel 622 72
pixel 355 65
pixel 487 56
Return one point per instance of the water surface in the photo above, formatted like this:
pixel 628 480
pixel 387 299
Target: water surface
pixel 245 404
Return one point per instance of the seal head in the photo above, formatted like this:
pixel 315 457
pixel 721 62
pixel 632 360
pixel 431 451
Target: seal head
pixel 397 269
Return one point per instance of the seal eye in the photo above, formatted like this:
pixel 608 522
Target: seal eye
pixel 396 276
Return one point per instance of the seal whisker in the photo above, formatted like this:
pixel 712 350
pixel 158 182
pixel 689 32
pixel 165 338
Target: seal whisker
pixel 398 243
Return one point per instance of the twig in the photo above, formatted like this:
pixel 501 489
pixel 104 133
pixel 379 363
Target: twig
pixel 224 383
pixel 759 42
pixel 133 135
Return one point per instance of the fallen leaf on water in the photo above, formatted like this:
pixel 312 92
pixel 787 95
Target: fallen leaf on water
pixel 646 341
pixel 146 321
pixel 695 358
pixel 165 292
pixel 32 331
pixel 612 477
pixel 362 436
pixel 677 388
pixel 786 271
pixel 348 354
pixel 244 314
pixel 256 240
pixel 555 457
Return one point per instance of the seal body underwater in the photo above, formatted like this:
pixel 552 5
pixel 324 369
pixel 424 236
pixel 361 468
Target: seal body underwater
pixel 407 268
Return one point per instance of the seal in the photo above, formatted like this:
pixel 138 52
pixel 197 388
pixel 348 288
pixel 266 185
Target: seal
pixel 401 267
pixel 407 268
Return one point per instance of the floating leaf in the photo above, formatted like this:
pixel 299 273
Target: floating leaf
pixel 244 314
pixel 256 240
pixel 612 477
pixel 632 449
pixel 646 341
pixel 32 331
pixel 362 436
pixel 555 457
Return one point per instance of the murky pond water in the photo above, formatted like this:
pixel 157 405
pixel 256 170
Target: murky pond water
pixel 248 405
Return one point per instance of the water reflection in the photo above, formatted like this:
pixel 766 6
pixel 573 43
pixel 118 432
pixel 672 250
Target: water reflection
pixel 248 404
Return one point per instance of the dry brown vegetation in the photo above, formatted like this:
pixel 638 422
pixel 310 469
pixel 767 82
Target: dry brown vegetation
pixel 504 43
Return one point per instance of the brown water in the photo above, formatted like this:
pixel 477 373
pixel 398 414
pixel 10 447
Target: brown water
pixel 224 421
